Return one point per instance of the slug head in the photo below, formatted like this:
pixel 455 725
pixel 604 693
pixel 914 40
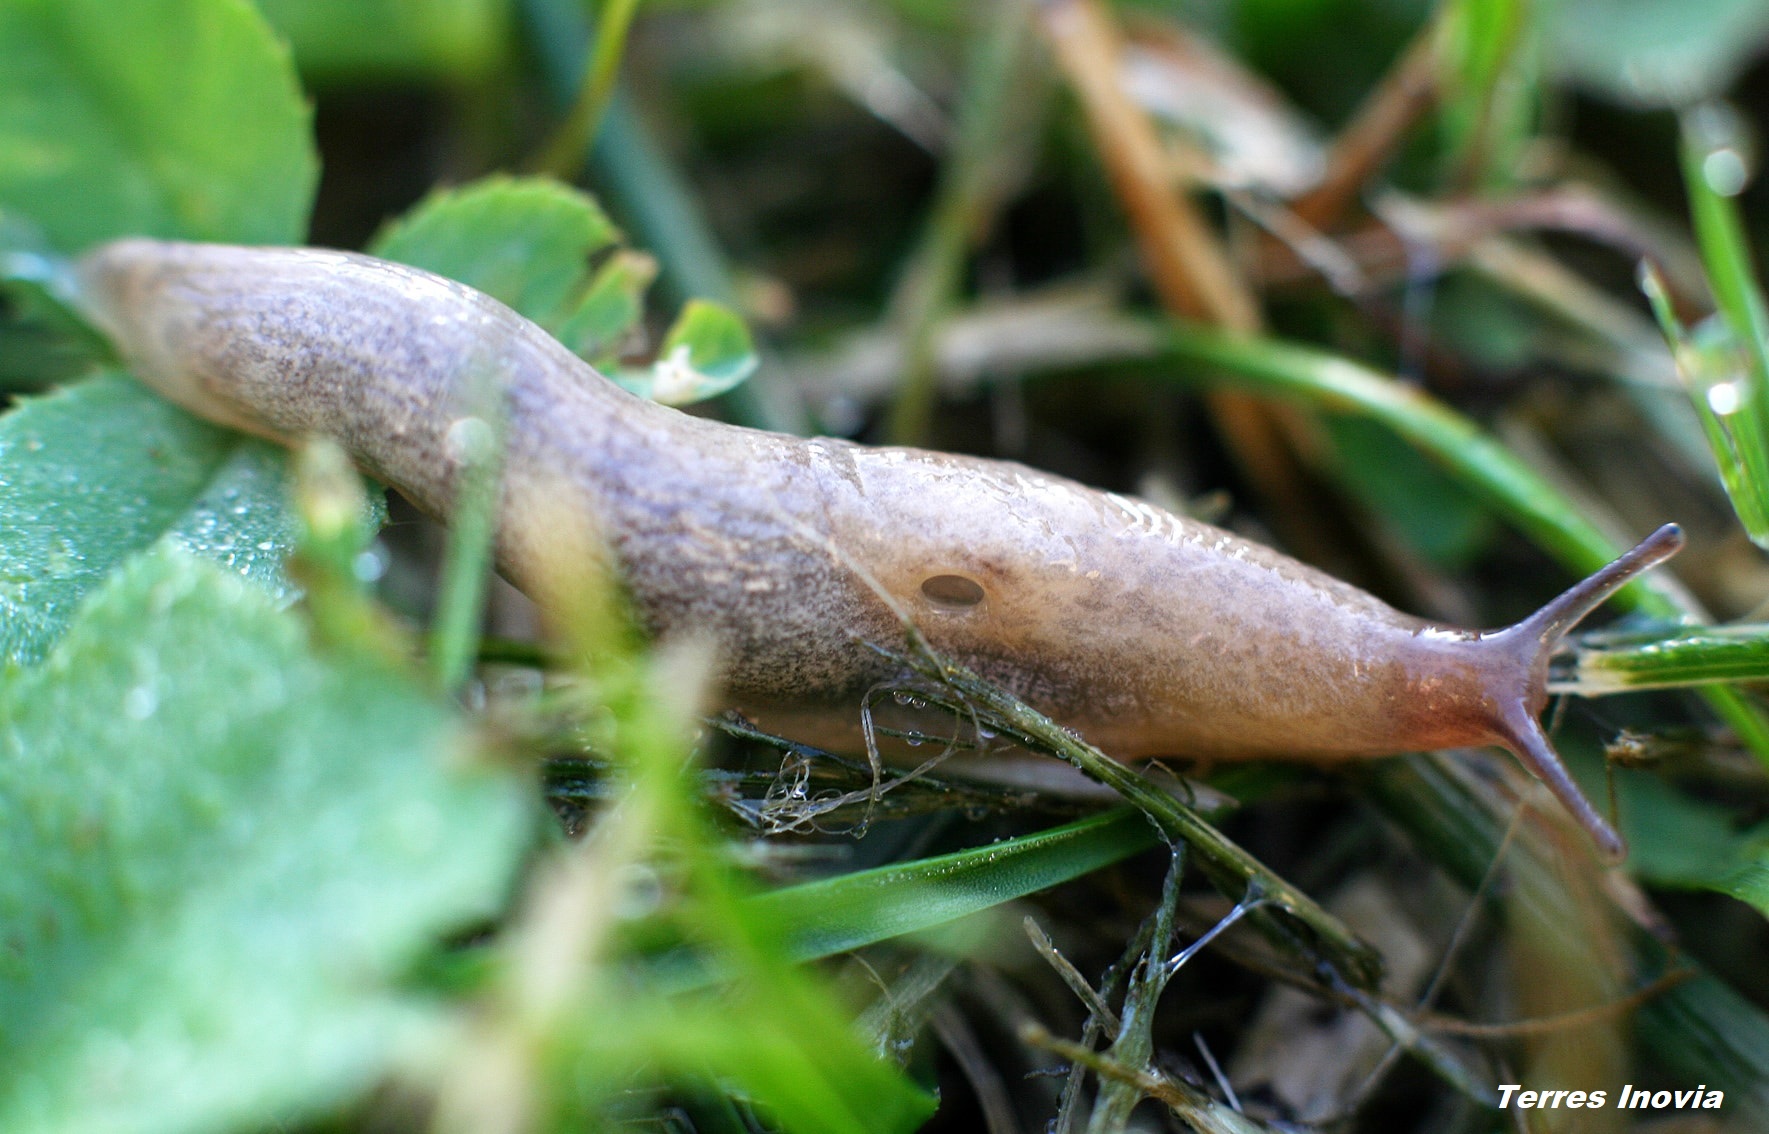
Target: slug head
pixel 1519 694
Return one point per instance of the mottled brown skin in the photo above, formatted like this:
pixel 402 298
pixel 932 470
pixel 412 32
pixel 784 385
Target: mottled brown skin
pixel 1150 633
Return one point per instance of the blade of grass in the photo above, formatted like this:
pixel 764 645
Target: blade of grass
pixel 836 915
pixel 1731 422
pixel 1488 56
pixel 1230 869
pixel 1707 656
pixel 1729 380
pixel 970 192
pixel 1714 173
pixel 478 441
pixel 563 154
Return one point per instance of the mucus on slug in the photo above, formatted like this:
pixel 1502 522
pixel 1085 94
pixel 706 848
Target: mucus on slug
pixel 1150 633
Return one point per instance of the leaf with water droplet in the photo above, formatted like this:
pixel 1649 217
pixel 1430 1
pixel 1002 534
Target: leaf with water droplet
pixel 707 352
pixel 223 850
pixel 103 470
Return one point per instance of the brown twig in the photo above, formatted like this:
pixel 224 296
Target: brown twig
pixel 1364 146
pixel 1560 1021
pixel 1187 265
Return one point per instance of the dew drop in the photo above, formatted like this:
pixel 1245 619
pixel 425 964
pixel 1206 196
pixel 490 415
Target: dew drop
pixel 369 565
pixel 62 558
pixel 469 440
pixel 1725 172
pixel 1724 399
pixel 141 702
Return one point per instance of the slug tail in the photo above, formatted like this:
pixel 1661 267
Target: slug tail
pixel 1530 644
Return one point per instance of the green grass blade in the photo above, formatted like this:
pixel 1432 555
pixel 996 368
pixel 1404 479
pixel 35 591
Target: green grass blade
pixel 1474 457
pixel 1726 404
pixel 1714 172
pixel 466 567
pixel 1696 657
pixel 836 915
pixel 564 153
pixel 1727 373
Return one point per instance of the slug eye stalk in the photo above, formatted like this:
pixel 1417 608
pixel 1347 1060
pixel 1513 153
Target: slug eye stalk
pixel 1531 643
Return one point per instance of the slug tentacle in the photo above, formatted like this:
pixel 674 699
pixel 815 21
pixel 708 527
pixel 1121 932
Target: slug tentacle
pixel 1550 624
pixel 1522 734
pixel 1531 643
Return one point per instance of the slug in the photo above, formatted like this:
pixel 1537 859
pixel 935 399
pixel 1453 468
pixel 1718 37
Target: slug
pixel 1148 632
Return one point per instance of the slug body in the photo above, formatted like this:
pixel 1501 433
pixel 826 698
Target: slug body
pixel 1150 633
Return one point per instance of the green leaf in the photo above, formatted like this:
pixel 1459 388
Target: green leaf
pixel 98 472
pixel 407 38
pixel 1675 841
pixel 170 118
pixel 1434 514
pixel 529 243
pixel 706 352
pixel 223 850
pixel 526 242
pixel 610 308
pixel 1749 882
pixel 836 915
pixel 787 1050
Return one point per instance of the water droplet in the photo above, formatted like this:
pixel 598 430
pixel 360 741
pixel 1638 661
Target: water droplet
pixel 1723 398
pixel 902 698
pixel 1725 172
pixel 61 558
pixel 141 702
pixel 370 564
pixel 469 440
pixel 1718 133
